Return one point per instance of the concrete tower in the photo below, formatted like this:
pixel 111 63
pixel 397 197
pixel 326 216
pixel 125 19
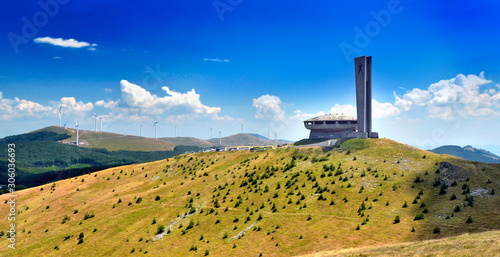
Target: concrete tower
pixel 363 74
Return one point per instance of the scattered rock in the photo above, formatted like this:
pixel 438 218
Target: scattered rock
pixel 450 172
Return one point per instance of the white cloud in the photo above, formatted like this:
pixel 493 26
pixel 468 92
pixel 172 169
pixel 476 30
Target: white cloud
pixel 57 57
pixel 71 106
pixel 73 43
pixel 109 104
pixel 216 60
pixel 379 110
pixel 345 109
pixel 16 108
pixel 383 110
pixel 268 105
pixel 135 96
pixel 108 90
pixel 462 95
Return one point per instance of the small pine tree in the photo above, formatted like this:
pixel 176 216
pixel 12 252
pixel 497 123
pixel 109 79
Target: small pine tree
pixel 396 220
pixel 469 220
pixel 405 205
pixel 436 230
pixel 358 228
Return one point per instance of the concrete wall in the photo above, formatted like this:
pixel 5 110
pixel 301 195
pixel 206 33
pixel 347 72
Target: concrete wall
pixel 363 74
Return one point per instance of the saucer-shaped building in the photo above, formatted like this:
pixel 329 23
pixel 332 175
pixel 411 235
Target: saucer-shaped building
pixel 340 126
pixel 332 125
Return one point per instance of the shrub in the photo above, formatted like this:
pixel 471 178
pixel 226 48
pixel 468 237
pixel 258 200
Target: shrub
pixel 88 216
pixel 405 205
pixel 396 220
pixel 65 218
pixel 160 229
pixel 154 222
pixel 469 220
pixel 419 216
pixel 457 209
pixel 436 230
pixel 358 228
pixel 157 198
pixel 453 197
pixel 309 217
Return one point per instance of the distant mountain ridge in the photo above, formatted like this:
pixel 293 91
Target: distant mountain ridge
pixel 468 152
pixel 241 139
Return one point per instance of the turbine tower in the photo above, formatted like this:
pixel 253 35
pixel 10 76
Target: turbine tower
pixel 275 136
pixel 241 127
pixel 156 122
pixel 220 137
pixel 65 124
pixel 60 114
pixel 77 142
pixel 95 121
pixel 140 130
pixel 100 122
pixel 211 129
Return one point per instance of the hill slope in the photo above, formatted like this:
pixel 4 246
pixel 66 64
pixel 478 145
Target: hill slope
pixel 468 153
pixel 281 202
pixel 189 141
pixel 244 139
pixel 241 139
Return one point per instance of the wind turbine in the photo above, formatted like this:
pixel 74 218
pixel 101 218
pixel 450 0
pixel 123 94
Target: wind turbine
pixel 77 142
pixel 211 129
pixel 60 114
pixel 100 121
pixel 65 124
pixel 140 130
pixel 95 121
pixel 275 136
pixel 220 138
pixel 241 127
pixel 156 122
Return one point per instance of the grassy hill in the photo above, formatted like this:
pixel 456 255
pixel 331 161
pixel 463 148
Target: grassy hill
pixel 42 158
pixel 478 244
pixel 189 141
pixel 241 139
pixel 244 139
pixel 468 153
pixel 284 202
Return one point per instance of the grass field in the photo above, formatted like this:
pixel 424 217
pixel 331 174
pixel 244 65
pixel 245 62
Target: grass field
pixel 479 244
pixel 294 202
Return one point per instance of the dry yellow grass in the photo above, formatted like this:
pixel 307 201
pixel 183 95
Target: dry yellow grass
pixel 123 229
pixel 479 244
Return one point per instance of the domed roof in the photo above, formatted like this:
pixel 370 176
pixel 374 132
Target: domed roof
pixel 332 116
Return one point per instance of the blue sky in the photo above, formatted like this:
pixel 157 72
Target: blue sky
pixel 267 65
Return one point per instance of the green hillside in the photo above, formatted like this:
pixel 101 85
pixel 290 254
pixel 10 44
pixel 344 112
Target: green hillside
pixel 468 152
pixel 241 139
pixel 284 202
pixel 189 141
